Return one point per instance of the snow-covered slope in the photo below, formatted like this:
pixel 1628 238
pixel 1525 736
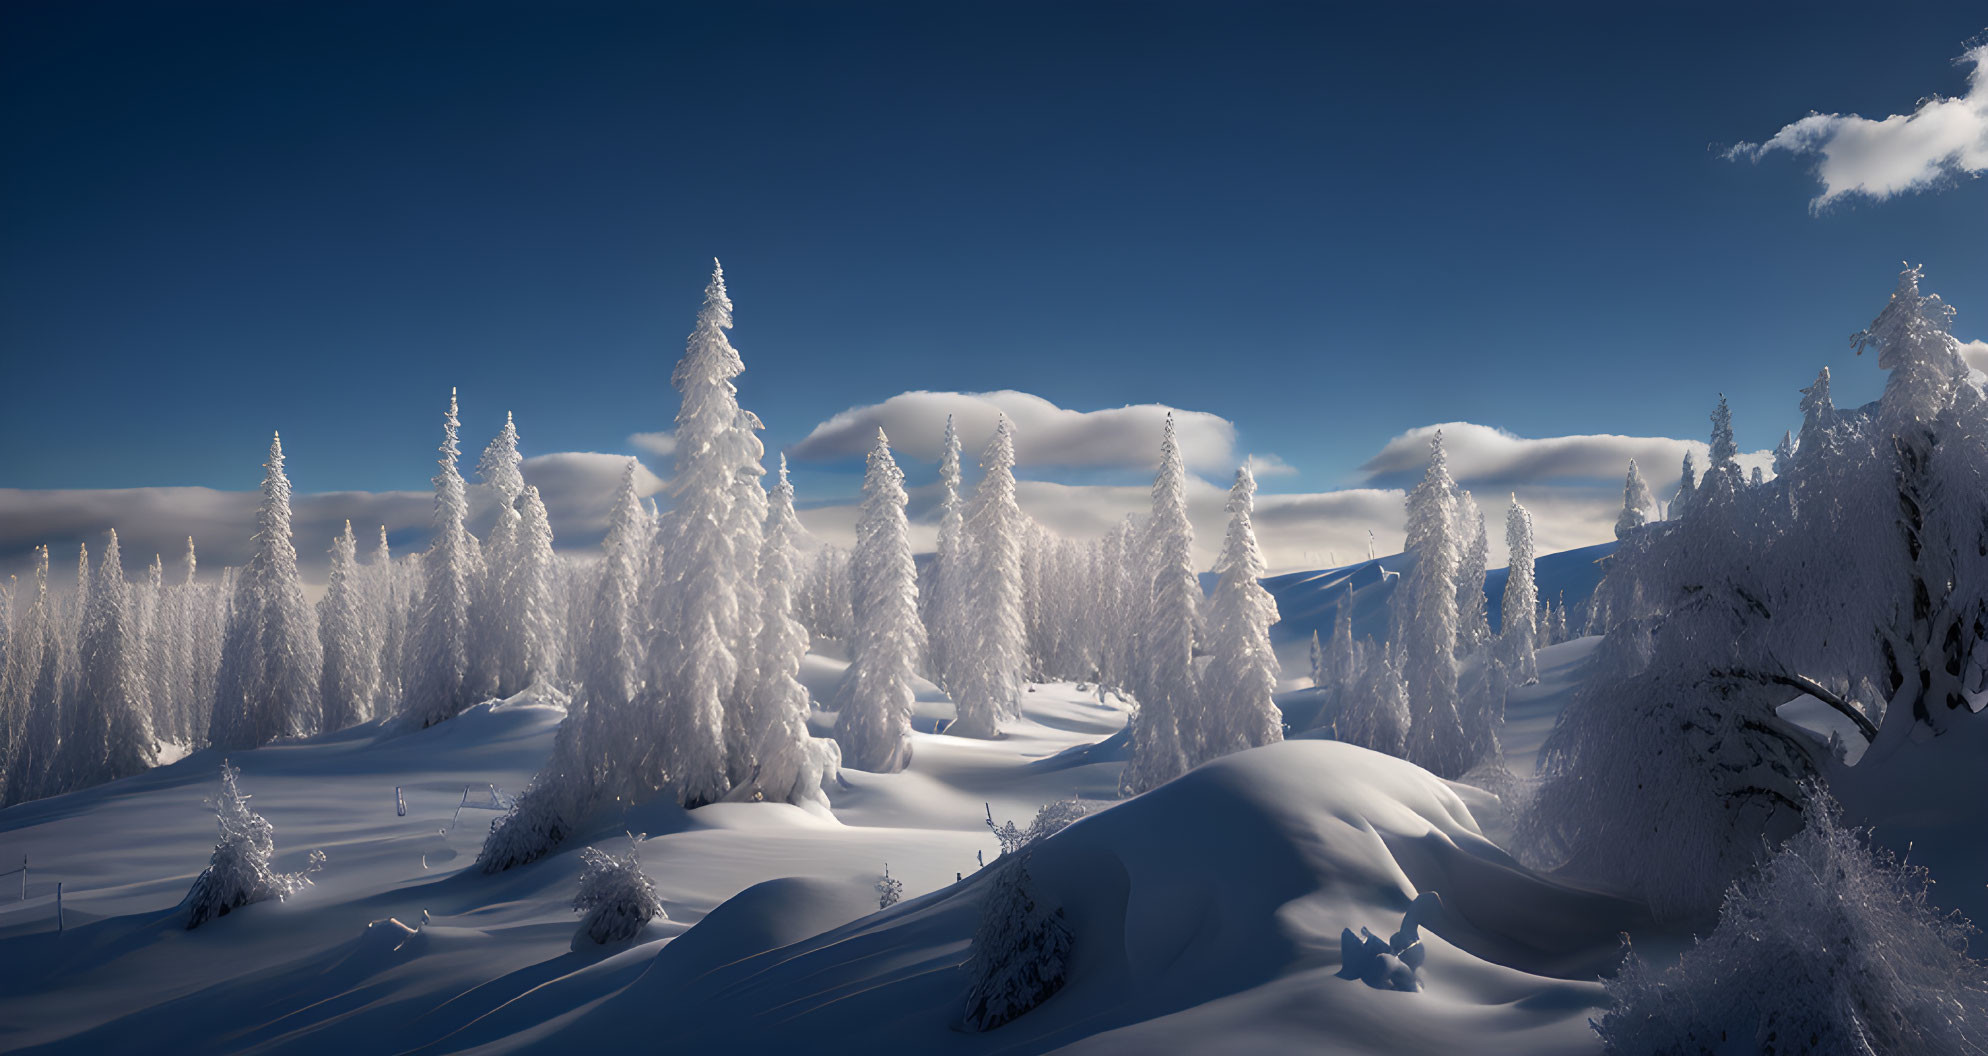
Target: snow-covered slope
pixel 1207 915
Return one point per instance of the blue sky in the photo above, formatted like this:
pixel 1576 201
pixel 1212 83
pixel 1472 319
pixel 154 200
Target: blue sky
pixel 1326 224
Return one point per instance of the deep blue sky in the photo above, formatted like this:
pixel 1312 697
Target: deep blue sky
pixel 1326 223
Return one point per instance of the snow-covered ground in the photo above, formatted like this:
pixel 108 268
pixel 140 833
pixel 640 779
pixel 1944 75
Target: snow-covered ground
pixel 1207 916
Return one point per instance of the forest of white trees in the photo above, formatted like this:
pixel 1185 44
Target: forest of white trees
pixel 1857 573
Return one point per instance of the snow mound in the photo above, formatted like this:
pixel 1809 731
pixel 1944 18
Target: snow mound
pixel 1217 899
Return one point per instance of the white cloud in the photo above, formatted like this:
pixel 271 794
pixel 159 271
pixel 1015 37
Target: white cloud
pixel 1941 140
pixel 661 444
pixel 1483 455
pixel 1976 354
pixel 1046 436
pixel 577 487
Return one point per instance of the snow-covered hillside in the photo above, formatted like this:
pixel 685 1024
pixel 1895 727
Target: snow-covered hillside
pixel 1216 901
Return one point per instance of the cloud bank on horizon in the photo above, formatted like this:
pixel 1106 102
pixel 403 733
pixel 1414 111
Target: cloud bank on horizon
pixel 1940 141
pixel 1571 483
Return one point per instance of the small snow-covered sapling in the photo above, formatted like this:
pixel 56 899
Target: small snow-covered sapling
pixel 890 890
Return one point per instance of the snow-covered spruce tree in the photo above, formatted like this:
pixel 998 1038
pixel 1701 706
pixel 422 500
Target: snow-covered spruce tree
pixel 438 684
pixel 1473 622
pixel 534 595
pixel 1237 706
pixel 1342 654
pixel 1520 606
pixel 874 728
pixel 240 873
pixel 182 615
pixel 989 660
pixel 1316 657
pixel 267 684
pixel 748 523
pixel 697 600
pixel 387 599
pixel 945 610
pixel 890 890
pixel 1687 488
pixel 1483 713
pixel 30 692
pixel 1934 639
pixel 1116 594
pixel 1426 614
pixel 1830 946
pixel 1636 503
pixel 1374 711
pixel 606 747
pixel 346 634
pixel 156 631
pixel 1168 699
pixel 1020 950
pixel 617 897
pixel 792 763
pixel 501 620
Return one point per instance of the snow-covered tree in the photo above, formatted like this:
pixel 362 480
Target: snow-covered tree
pixel 1020 950
pixel 346 633
pixel 793 764
pixel 1784 454
pixel 874 728
pixel 1636 503
pixel 890 890
pixel 1374 712
pixel 240 871
pixel 1237 707
pixel 1426 615
pixel 1342 654
pixel 697 606
pixel 616 895
pixel 1829 947
pixel 1167 692
pixel 989 660
pixel 182 617
pixel 1687 487
pixel 1517 618
pixel 946 619
pixel 387 596
pixel 438 683
pixel 1473 622
pixel 513 637
pixel 30 691
pixel 271 664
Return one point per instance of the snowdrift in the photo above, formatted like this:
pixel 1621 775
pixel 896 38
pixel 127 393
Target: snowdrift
pixel 1213 902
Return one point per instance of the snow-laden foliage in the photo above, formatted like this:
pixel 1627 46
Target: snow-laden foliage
pixel 514 636
pixel 792 764
pixel 617 897
pixel 947 618
pixel 1236 708
pixel 110 732
pixel 1859 578
pixel 874 727
pixel 1519 612
pixel 1830 947
pixel 271 661
pixel 239 873
pixel 1473 540
pixel 351 649
pixel 30 699
pixel 1164 679
pixel 1053 818
pixel 438 682
pixel 1020 950
pixel 698 603
pixel 1426 622
pixel 987 661
pixel 1374 712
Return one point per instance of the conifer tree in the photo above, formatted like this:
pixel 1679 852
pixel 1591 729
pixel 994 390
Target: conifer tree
pixel 946 620
pixel 1342 655
pixel 437 684
pixel 874 728
pixel 792 763
pixel 1519 613
pixel 1687 487
pixel 1238 709
pixel 1375 712
pixel 111 732
pixel 267 684
pixel 1019 952
pixel 1166 631
pixel 991 659
pixel 29 691
pixel 1473 622
pixel 388 597
pixel 1426 613
pixel 1636 503
pixel 496 642
pixel 346 633
pixel 697 610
